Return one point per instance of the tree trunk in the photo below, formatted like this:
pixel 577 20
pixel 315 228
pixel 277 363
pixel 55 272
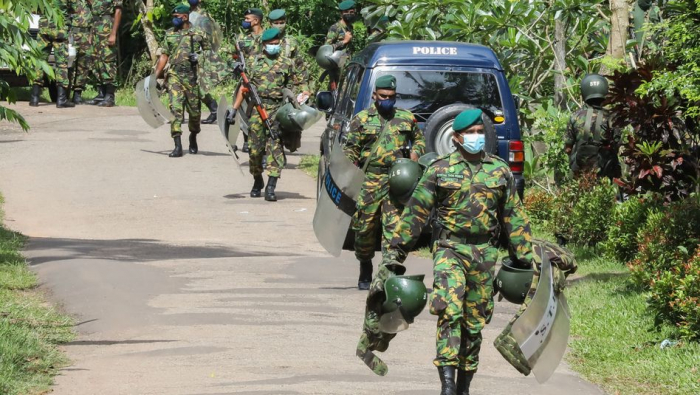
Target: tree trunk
pixel 619 28
pixel 559 64
pixel 151 41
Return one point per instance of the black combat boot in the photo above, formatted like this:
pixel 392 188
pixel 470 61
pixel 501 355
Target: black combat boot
pixel 365 278
pixel 245 144
pixel 36 93
pixel 270 189
pixel 109 97
pixel 258 185
pixel 464 379
pixel 62 99
pixel 193 143
pixel 100 96
pixel 212 112
pixel 78 97
pixel 177 152
pixel 447 379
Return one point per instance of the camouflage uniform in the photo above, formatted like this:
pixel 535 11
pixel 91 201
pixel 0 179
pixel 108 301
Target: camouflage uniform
pixel 181 78
pixel 594 143
pixel 476 205
pixel 250 44
pixel 105 57
pixel 290 49
pixel 336 33
pixel 212 69
pixel 82 22
pixel 270 76
pixel 51 36
pixel 397 136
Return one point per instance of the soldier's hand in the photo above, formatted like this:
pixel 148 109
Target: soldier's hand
pixel 112 40
pixel 414 156
pixel 231 116
pixel 194 59
pixel 347 38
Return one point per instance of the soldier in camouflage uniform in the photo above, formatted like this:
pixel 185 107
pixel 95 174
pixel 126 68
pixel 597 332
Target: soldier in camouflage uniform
pixel 249 40
pixel 476 206
pixel 591 142
pixel 290 47
pixel 82 21
pixel 378 31
pixel 107 16
pixel 51 36
pixel 377 137
pixel 212 69
pixel 270 72
pixel 182 44
pixel 340 33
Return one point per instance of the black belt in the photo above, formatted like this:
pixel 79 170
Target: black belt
pixel 466 239
pixel 378 169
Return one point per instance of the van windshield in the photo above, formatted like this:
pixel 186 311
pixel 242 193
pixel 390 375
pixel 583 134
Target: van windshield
pixel 424 92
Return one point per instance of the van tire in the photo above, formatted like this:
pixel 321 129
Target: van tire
pixel 438 130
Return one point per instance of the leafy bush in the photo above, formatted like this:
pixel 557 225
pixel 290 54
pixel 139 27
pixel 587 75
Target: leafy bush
pixel 675 297
pixel 668 264
pixel 547 133
pixel 628 217
pixel 583 209
pixel 539 205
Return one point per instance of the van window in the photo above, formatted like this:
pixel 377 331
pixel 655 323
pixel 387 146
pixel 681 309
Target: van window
pixel 423 92
pixel 348 98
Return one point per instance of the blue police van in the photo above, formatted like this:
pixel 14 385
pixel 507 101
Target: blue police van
pixel 436 81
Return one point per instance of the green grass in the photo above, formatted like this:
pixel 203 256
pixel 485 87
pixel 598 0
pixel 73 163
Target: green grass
pixel 613 343
pixel 309 165
pixel 30 329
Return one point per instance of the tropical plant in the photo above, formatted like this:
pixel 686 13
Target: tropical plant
pixel 18 50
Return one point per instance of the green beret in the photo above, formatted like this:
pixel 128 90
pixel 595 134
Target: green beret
pixel 386 82
pixel 346 5
pixel 270 34
pixel 277 14
pixel 181 9
pixel 466 119
pixel 254 11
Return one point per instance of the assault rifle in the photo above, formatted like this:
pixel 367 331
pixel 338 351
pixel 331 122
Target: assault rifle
pixel 253 96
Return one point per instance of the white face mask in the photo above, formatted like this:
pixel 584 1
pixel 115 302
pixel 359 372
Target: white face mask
pixel 474 142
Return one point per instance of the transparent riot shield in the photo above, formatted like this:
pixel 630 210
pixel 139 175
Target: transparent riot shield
pixel 149 105
pixel 229 131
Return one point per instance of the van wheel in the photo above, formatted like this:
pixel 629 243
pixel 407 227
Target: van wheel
pixel 438 130
pixel 53 91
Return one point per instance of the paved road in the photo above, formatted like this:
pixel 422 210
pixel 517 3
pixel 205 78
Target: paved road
pixel 181 284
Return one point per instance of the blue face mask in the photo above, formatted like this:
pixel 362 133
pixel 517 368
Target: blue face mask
pixel 385 106
pixel 474 143
pixel 272 49
pixel 246 25
pixel 193 3
pixel 178 22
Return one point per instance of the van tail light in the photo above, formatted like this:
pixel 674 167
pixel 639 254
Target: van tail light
pixel 516 156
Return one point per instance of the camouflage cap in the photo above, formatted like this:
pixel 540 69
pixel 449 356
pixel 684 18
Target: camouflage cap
pixel 270 34
pixel 181 9
pixel 277 14
pixel 254 11
pixel 386 82
pixel 346 5
pixel 466 119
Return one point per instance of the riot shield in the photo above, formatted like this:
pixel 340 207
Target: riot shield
pixel 335 207
pixel 542 331
pixel 229 131
pixel 210 27
pixel 149 105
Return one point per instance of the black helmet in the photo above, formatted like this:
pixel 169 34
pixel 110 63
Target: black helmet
pixel 594 86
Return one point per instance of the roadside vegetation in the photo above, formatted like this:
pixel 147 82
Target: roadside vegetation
pixel 30 329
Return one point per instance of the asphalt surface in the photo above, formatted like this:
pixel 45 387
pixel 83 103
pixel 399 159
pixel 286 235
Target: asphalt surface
pixel 182 284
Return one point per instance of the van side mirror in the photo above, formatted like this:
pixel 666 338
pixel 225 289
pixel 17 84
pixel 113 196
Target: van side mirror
pixel 325 101
pixel 516 99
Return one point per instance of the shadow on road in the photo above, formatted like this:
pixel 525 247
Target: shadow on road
pixel 129 250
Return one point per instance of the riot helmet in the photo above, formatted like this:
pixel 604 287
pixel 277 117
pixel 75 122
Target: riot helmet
pixel 406 296
pixel 512 282
pixel 594 87
pixel 403 178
